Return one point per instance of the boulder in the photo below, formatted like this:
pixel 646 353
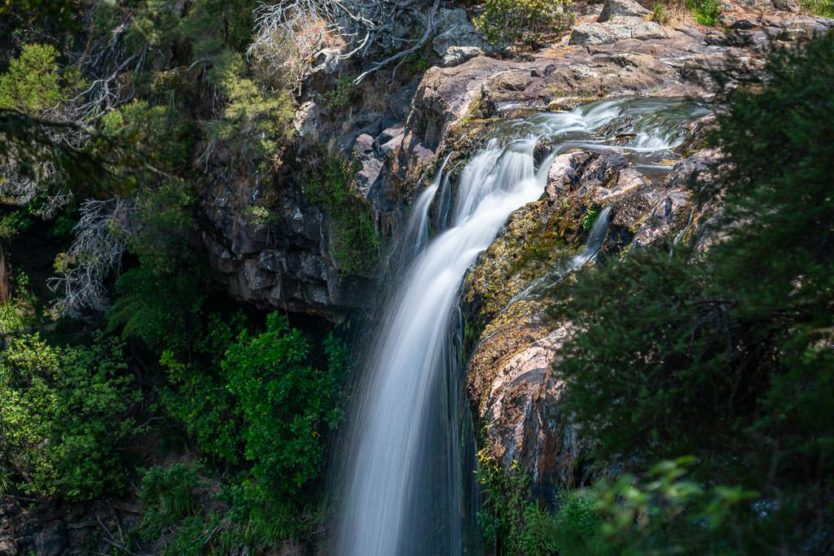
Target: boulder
pixel 52 539
pixel 622 8
pixel 621 28
pixel 455 55
pixel 363 150
pixel 457 40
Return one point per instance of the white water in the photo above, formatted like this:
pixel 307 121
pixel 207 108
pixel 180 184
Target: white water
pixel 495 183
pixel 397 497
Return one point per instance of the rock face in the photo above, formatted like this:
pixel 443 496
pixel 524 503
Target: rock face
pixel 457 40
pixel 622 8
pixel 513 376
pixel 65 529
pixel 397 134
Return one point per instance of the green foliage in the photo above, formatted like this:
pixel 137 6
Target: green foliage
pixel 660 513
pixel 590 217
pixel 343 94
pixel 665 352
pixel 285 405
pixel 167 495
pixel 706 12
pixel 52 14
pixel 510 21
pixel 354 243
pixel 160 300
pixel 14 222
pixel 508 519
pixel 270 403
pixel 659 13
pixel 575 528
pixel 161 136
pixel 198 395
pixel 824 8
pixel 64 416
pixel 35 84
pixel 254 121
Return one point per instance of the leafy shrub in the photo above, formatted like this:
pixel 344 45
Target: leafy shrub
pixel 285 405
pixel 661 512
pixel 34 83
pixel 167 495
pixel 64 417
pixel 263 413
pixel 197 394
pixel 706 12
pixel 158 135
pixel 509 21
pixel 255 122
pixel 343 94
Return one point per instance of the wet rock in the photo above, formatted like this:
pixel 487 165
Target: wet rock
pixel 622 8
pixel 52 539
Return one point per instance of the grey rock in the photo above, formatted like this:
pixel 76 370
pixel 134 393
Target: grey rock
pixel 52 539
pixel 455 55
pixel 364 152
pixel 457 40
pixel 307 120
pixel 256 278
pixel 327 61
pixel 786 5
pixel 622 8
pixel 619 29
pixel 8 547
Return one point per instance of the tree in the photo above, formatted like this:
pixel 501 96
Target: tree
pixel 64 417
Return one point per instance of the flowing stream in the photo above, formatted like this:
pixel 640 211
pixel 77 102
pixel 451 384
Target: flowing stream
pixel 404 486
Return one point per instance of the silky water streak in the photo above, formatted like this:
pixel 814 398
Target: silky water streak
pixel 401 488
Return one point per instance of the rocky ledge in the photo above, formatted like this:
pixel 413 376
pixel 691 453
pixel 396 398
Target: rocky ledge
pixel 395 137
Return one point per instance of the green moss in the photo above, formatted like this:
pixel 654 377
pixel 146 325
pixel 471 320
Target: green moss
pixel 354 242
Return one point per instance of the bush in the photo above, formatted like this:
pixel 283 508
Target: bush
pixel 660 512
pixel 263 414
pixel 64 417
pixel 706 12
pixel 526 21
pixel 34 84
pixel 285 405
pixel 167 496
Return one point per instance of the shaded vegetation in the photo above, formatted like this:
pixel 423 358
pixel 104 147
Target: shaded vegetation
pixel 722 354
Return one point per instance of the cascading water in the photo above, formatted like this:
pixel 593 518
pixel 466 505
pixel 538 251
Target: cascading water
pixel 402 490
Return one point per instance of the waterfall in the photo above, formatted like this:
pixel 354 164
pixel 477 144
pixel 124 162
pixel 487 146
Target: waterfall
pixel 401 490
